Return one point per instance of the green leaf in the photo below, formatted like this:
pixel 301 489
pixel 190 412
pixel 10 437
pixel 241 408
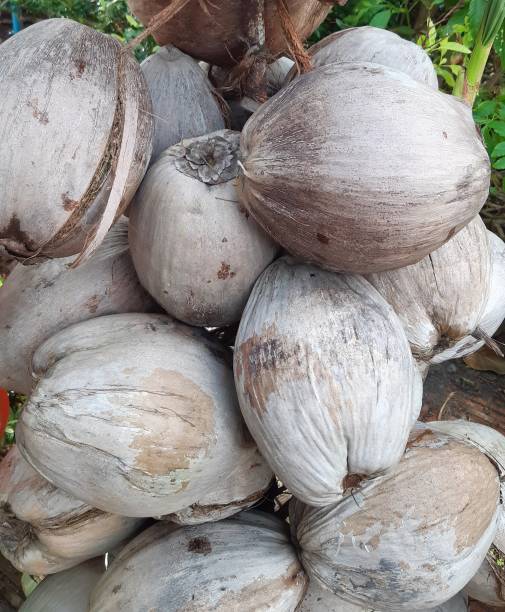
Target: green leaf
pixel 498 127
pixel 486 108
pixel 133 22
pixel 499 150
pixel 381 20
pixel 446 75
pixel 476 10
pixel 499 164
pixel 28 584
pixel 432 33
pixel 454 46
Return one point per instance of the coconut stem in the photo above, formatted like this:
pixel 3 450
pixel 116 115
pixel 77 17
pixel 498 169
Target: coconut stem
pixel 468 82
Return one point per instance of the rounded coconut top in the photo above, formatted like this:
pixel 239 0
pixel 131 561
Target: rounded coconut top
pixel 325 378
pixel 377 46
pixel 411 538
pixel 143 418
pixel 244 563
pixel 303 150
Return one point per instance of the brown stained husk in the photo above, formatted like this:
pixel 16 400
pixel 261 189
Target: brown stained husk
pixel 301 58
pixel 160 19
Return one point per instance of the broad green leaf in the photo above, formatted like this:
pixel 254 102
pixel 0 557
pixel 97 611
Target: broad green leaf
pixel 486 108
pixel 381 20
pixel 499 150
pixel 498 127
pixel 476 10
pixel 499 164
pixel 454 46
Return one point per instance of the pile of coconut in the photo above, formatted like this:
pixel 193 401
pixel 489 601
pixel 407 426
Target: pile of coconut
pixel 232 279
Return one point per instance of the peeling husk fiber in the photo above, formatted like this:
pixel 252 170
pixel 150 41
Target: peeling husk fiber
pixel 189 198
pixel 441 299
pixel 325 378
pixel 375 45
pixel 245 563
pixel 44 530
pixel 221 33
pixel 182 99
pixel 410 539
pixel 300 171
pixel 39 300
pixel 494 308
pixel 137 414
pixel 61 193
pixel 68 591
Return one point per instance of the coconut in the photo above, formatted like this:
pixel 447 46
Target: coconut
pixel 441 299
pixel 375 45
pixel 137 414
pixel 182 99
pixel 37 301
pixel 410 539
pixel 45 530
pixel 303 150
pixel 68 591
pixel 81 102
pixel 319 599
pixel 325 378
pixel 488 584
pixel 223 33
pixel 245 563
pixel 494 308
pixel 195 248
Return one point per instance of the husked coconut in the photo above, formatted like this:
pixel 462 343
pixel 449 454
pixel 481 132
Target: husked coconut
pixel 68 591
pixel 331 167
pixel 195 248
pixel 494 308
pixel 325 378
pixel 410 539
pixel 182 99
pixel 44 530
pixel 319 599
pixel 377 46
pixel 488 584
pixel 137 414
pixel 441 299
pixel 39 300
pixel 76 133
pixel 245 563
pixel 222 33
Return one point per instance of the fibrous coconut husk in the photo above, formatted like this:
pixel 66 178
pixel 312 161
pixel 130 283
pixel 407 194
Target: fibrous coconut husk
pixel 80 101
